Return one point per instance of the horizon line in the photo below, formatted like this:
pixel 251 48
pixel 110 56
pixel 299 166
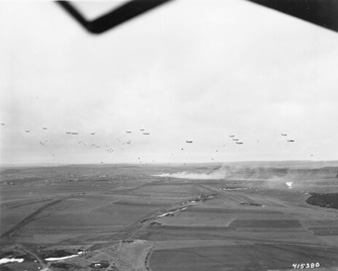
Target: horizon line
pixel 157 163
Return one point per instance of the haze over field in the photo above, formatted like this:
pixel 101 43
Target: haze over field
pixel 188 71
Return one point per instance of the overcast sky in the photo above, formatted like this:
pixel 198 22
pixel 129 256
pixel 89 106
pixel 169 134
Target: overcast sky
pixel 189 70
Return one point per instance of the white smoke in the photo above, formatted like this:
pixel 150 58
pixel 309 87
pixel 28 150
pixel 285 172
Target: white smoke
pixel 254 177
pixel 214 175
pixel 267 177
pixel 221 173
pixel 289 184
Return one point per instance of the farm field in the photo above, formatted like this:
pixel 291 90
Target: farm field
pixel 258 216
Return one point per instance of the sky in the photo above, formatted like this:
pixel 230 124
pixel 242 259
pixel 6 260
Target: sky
pixel 189 70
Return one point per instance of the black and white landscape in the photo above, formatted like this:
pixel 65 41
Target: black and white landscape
pixel 184 135
pixel 258 216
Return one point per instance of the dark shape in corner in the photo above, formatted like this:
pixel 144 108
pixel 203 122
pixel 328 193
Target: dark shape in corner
pixel 115 17
pixel 326 200
pixel 320 12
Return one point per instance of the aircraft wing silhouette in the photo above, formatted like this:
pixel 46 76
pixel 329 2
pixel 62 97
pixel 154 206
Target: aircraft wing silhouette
pixel 115 17
pixel 320 12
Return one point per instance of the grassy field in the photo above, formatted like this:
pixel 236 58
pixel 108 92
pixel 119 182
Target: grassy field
pixel 238 216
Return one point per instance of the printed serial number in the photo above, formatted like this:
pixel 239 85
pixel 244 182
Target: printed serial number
pixel 305 265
